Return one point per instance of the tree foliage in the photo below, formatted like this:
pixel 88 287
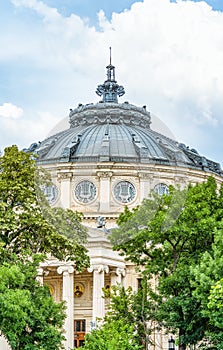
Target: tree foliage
pixel 29 317
pixel 30 226
pixel 134 308
pixel 116 335
pixel 207 284
pixel 125 326
pixel 166 235
pixel 29 230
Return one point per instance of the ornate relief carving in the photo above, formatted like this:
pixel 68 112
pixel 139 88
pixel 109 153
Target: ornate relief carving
pixel 85 191
pixel 124 191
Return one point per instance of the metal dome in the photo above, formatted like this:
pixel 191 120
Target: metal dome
pixel 109 131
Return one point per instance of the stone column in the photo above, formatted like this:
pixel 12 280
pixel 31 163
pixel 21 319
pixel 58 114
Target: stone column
pixel 65 189
pixel 105 177
pixel 117 276
pixel 98 310
pixel 68 297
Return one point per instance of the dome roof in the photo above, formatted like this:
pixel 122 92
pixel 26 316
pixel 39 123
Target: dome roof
pixel 109 131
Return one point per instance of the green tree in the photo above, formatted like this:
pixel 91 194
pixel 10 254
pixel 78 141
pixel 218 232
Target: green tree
pixel 126 324
pixel 30 229
pixel 29 317
pixel 215 304
pixel 28 225
pixel 132 308
pixel 166 235
pixel 207 283
pixel 118 328
pixel 116 335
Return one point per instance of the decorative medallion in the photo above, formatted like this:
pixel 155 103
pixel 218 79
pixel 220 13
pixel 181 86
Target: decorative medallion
pixel 51 193
pixel 124 191
pixel 161 189
pixel 85 191
pixel 78 290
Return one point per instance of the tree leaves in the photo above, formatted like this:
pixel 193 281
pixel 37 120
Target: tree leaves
pixel 29 317
pixel 29 225
pixel 29 230
pixel 167 235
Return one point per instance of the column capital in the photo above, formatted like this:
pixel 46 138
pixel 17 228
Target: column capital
pixel 104 174
pixel 64 176
pixel 65 269
pixel 42 272
pixel 120 271
pixel 98 268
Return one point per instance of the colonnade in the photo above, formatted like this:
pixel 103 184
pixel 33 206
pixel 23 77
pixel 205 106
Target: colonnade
pixel 117 275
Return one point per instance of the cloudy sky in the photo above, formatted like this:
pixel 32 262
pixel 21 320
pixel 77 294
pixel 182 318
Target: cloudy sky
pixel 168 55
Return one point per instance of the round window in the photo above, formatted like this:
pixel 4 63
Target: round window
pixel 51 193
pixel 85 191
pixel 161 189
pixel 124 191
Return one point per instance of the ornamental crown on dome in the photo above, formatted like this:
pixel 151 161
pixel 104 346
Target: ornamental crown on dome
pixel 110 90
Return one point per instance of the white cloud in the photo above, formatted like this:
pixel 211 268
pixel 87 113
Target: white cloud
pixel 167 55
pixel 8 110
pixel 27 131
pixel 40 7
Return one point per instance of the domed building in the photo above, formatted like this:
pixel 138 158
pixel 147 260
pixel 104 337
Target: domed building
pixel 108 158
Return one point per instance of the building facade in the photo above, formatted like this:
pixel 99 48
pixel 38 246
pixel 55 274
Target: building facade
pixel 108 158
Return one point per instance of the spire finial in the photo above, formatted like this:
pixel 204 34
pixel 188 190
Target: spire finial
pixel 110 89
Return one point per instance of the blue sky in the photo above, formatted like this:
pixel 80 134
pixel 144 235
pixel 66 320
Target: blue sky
pixel 168 55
